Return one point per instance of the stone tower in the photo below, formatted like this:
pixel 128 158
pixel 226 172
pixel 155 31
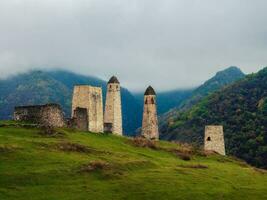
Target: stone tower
pixel 113 116
pixel 214 139
pixel 150 120
pixel 90 98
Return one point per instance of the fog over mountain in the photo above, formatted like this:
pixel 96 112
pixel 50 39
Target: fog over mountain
pixel 167 44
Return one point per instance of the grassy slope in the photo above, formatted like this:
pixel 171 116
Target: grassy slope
pixel 32 168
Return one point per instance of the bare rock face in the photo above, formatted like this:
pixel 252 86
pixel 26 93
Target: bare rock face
pixel 113 113
pixel 150 120
pixel 90 98
pixel 214 139
pixel 49 115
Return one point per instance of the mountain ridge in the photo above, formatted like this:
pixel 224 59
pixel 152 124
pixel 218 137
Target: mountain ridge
pixel 218 81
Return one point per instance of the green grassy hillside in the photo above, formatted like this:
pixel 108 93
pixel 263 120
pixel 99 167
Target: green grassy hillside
pixel 78 165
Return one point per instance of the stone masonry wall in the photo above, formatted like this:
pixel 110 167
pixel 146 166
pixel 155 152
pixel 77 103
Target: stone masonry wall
pixel 85 96
pixel 113 114
pixel 80 119
pixel 44 115
pixel 150 119
pixel 214 139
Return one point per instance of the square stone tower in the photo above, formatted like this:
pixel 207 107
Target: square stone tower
pixel 113 116
pixel 150 128
pixel 90 98
pixel 214 139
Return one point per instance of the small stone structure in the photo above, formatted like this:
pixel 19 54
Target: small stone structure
pixel 80 119
pixel 150 120
pixel 90 98
pixel 113 116
pixel 214 139
pixel 45 115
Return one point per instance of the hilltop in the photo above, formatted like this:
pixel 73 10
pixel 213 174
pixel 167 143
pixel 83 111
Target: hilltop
pixel 80 165
pixel 241 108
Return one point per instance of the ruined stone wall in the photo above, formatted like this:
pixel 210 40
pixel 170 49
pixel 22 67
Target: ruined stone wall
pixel 85 96
pixel 80 119
pixel 44 115
pixel 214 139
pixel 113 114
pixel 150 119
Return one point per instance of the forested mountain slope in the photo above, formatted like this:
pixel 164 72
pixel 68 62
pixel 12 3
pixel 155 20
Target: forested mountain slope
pixel 241 108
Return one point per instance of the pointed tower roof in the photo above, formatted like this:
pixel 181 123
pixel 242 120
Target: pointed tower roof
pixel 150 91
pixel 113 79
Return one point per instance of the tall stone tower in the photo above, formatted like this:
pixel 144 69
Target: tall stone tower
pixel 150 120
pixel 214 139
pixel 113 116
pixel 90 98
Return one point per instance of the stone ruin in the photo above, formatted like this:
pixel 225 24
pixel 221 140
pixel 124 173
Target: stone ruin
pixel 214 139
pixel 89 98
pixel 150 128
pixel 80 119
pixel 113 116
pixel 49 115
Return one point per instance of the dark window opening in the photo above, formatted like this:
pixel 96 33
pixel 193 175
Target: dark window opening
pixel 208 139
pixel 152 101
pixel 146 101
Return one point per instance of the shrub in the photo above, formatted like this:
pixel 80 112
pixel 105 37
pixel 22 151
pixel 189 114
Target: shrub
pixel 73 147
pixel 94 165
pixel 197 166
pixel 143 142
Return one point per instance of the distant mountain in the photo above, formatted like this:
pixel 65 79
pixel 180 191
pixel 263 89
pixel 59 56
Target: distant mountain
pixel 40 87
pixel 241 108
pixel 221 79
pixel 167 100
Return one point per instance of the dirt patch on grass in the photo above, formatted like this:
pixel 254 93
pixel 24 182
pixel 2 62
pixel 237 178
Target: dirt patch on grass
pixel 8 148
pixel 79 148
pixel 143 142
pixel 184 155
pixel 262 171
pixel 95 165
pixel 74 147
pixel 51 132
pixel 197 166
pixel 103 169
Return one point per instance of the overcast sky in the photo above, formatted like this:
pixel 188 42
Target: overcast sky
pixel 166 43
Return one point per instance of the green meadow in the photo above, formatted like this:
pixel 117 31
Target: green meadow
pixel 79 165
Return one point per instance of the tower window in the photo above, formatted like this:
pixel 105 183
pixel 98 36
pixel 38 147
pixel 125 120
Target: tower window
pixel 208 139
pixel 152 101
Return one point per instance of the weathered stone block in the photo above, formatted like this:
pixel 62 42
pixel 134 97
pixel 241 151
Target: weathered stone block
pixel 90 98
pixel 80 119
pixel 44 115
pixel 214 139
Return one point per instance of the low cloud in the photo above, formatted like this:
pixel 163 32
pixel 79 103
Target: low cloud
pixel 168 44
